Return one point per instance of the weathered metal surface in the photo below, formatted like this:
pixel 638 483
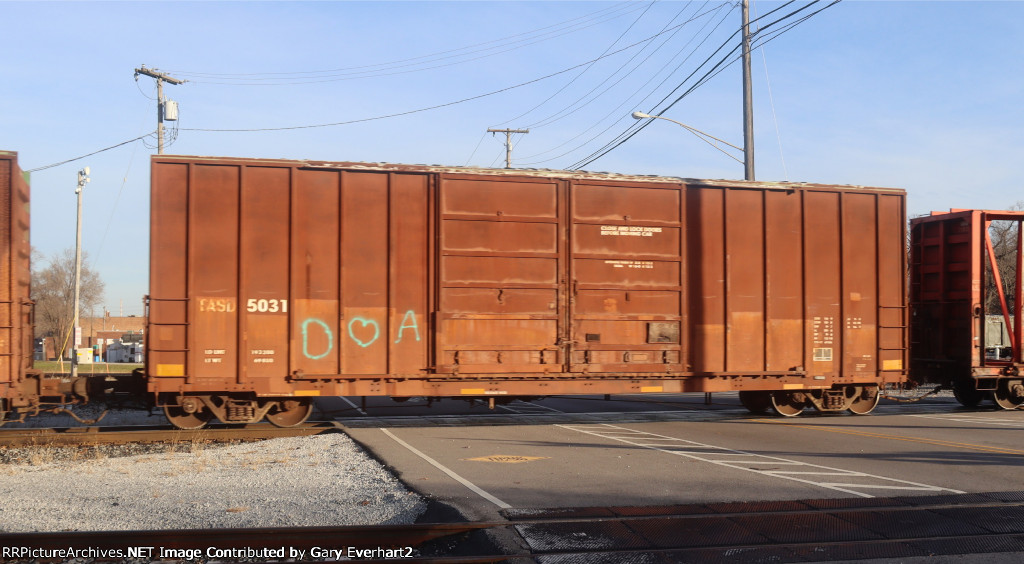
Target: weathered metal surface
pixel 15 279
pixel 951 257
pixel 295 277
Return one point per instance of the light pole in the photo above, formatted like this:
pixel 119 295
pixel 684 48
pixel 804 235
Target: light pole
pixel 83 179
pixel 700 134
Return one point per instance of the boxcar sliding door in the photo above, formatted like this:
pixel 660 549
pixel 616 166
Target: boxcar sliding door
pixel 626 270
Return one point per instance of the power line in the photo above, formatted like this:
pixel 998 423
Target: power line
pixel 635 128
pixel 637 125
pixel 381 69
pixel 582 72
pixel 150 134
pixel 722 64
pixel 569 110
pixel 617 110
pixel 446 104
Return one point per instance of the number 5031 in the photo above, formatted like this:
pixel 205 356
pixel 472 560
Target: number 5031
pixel 266 306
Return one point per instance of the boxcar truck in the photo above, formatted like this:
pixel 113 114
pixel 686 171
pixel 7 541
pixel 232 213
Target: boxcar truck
pixel 273 282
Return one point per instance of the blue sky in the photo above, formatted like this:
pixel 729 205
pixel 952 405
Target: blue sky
pixel 923 96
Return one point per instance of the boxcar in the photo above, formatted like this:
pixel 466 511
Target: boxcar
pixel 951 279
pixel 273 281
pixel 16 391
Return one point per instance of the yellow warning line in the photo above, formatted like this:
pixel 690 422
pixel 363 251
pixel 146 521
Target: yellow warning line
pixel 953 444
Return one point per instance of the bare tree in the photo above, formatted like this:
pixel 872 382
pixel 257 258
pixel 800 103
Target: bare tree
pixel 1004 245
pixel 53 290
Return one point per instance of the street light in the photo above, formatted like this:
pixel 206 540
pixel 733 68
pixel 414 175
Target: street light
pixel 83 179
pixel 700 134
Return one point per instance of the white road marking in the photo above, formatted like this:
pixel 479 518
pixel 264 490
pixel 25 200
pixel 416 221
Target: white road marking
pixel 526 407
pixel 476 489
pixel 749 462
pixel 346 400
pixel 1003 422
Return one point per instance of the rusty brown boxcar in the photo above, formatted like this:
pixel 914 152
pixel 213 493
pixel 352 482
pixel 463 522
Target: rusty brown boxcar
pixel 273 281
pixel 15 282
pixel 953 273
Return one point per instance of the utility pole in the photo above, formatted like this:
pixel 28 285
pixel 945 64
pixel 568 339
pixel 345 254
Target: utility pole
pixel 508 142
pixel 748 99
pixel 160 78
pixel 83 179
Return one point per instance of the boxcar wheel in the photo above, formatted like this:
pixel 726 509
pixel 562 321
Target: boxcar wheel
pixel 1009 394
pixel 788 404
pixel 184 420
pixel 290 412
pixel 966 393
pixel 865 400
pixel 756 401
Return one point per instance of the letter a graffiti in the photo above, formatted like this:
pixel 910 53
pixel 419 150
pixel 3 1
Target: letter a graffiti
pixel 408 322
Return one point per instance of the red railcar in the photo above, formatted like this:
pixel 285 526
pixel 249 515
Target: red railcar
pixel 272 282
pixel 954 271
pixel 15 282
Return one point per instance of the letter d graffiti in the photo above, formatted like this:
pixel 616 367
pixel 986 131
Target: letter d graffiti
pixel 305 338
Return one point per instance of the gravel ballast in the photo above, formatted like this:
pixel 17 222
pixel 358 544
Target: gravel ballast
pixel 324 480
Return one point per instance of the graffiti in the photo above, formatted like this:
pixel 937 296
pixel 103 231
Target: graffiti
pixel 359 330
pixel 365 322
pixel 305 338
pixel 410 317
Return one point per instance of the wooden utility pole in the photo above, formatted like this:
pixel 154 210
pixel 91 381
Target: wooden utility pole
pixel 748 99
pixel 160 78
pixel 508 142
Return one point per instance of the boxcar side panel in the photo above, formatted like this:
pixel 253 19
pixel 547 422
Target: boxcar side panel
pixel 316 325
pixel 266 271
pixel 169 300
pixel 8 368
pixel 365 246
pixel 822 283
pixel 859 340
pixel 706 253
pixel 784 281
pixel 744 234
pixel 213 280
pixel 16 329
pixel 264 297
pixel 893 314
pixel 411 333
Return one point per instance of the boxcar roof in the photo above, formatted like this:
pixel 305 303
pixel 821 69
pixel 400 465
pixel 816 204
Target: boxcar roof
pixel 530 172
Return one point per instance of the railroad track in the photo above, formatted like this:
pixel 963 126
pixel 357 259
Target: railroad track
pixel 777 531
pixel 139 434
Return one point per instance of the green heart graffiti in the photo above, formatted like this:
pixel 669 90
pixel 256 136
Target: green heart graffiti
pixel 365 322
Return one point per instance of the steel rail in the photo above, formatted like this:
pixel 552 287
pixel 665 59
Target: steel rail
pixel 259 541
pixel 780 530
pixel 96 435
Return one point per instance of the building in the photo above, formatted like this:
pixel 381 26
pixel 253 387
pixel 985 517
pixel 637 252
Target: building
pixel 100 334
